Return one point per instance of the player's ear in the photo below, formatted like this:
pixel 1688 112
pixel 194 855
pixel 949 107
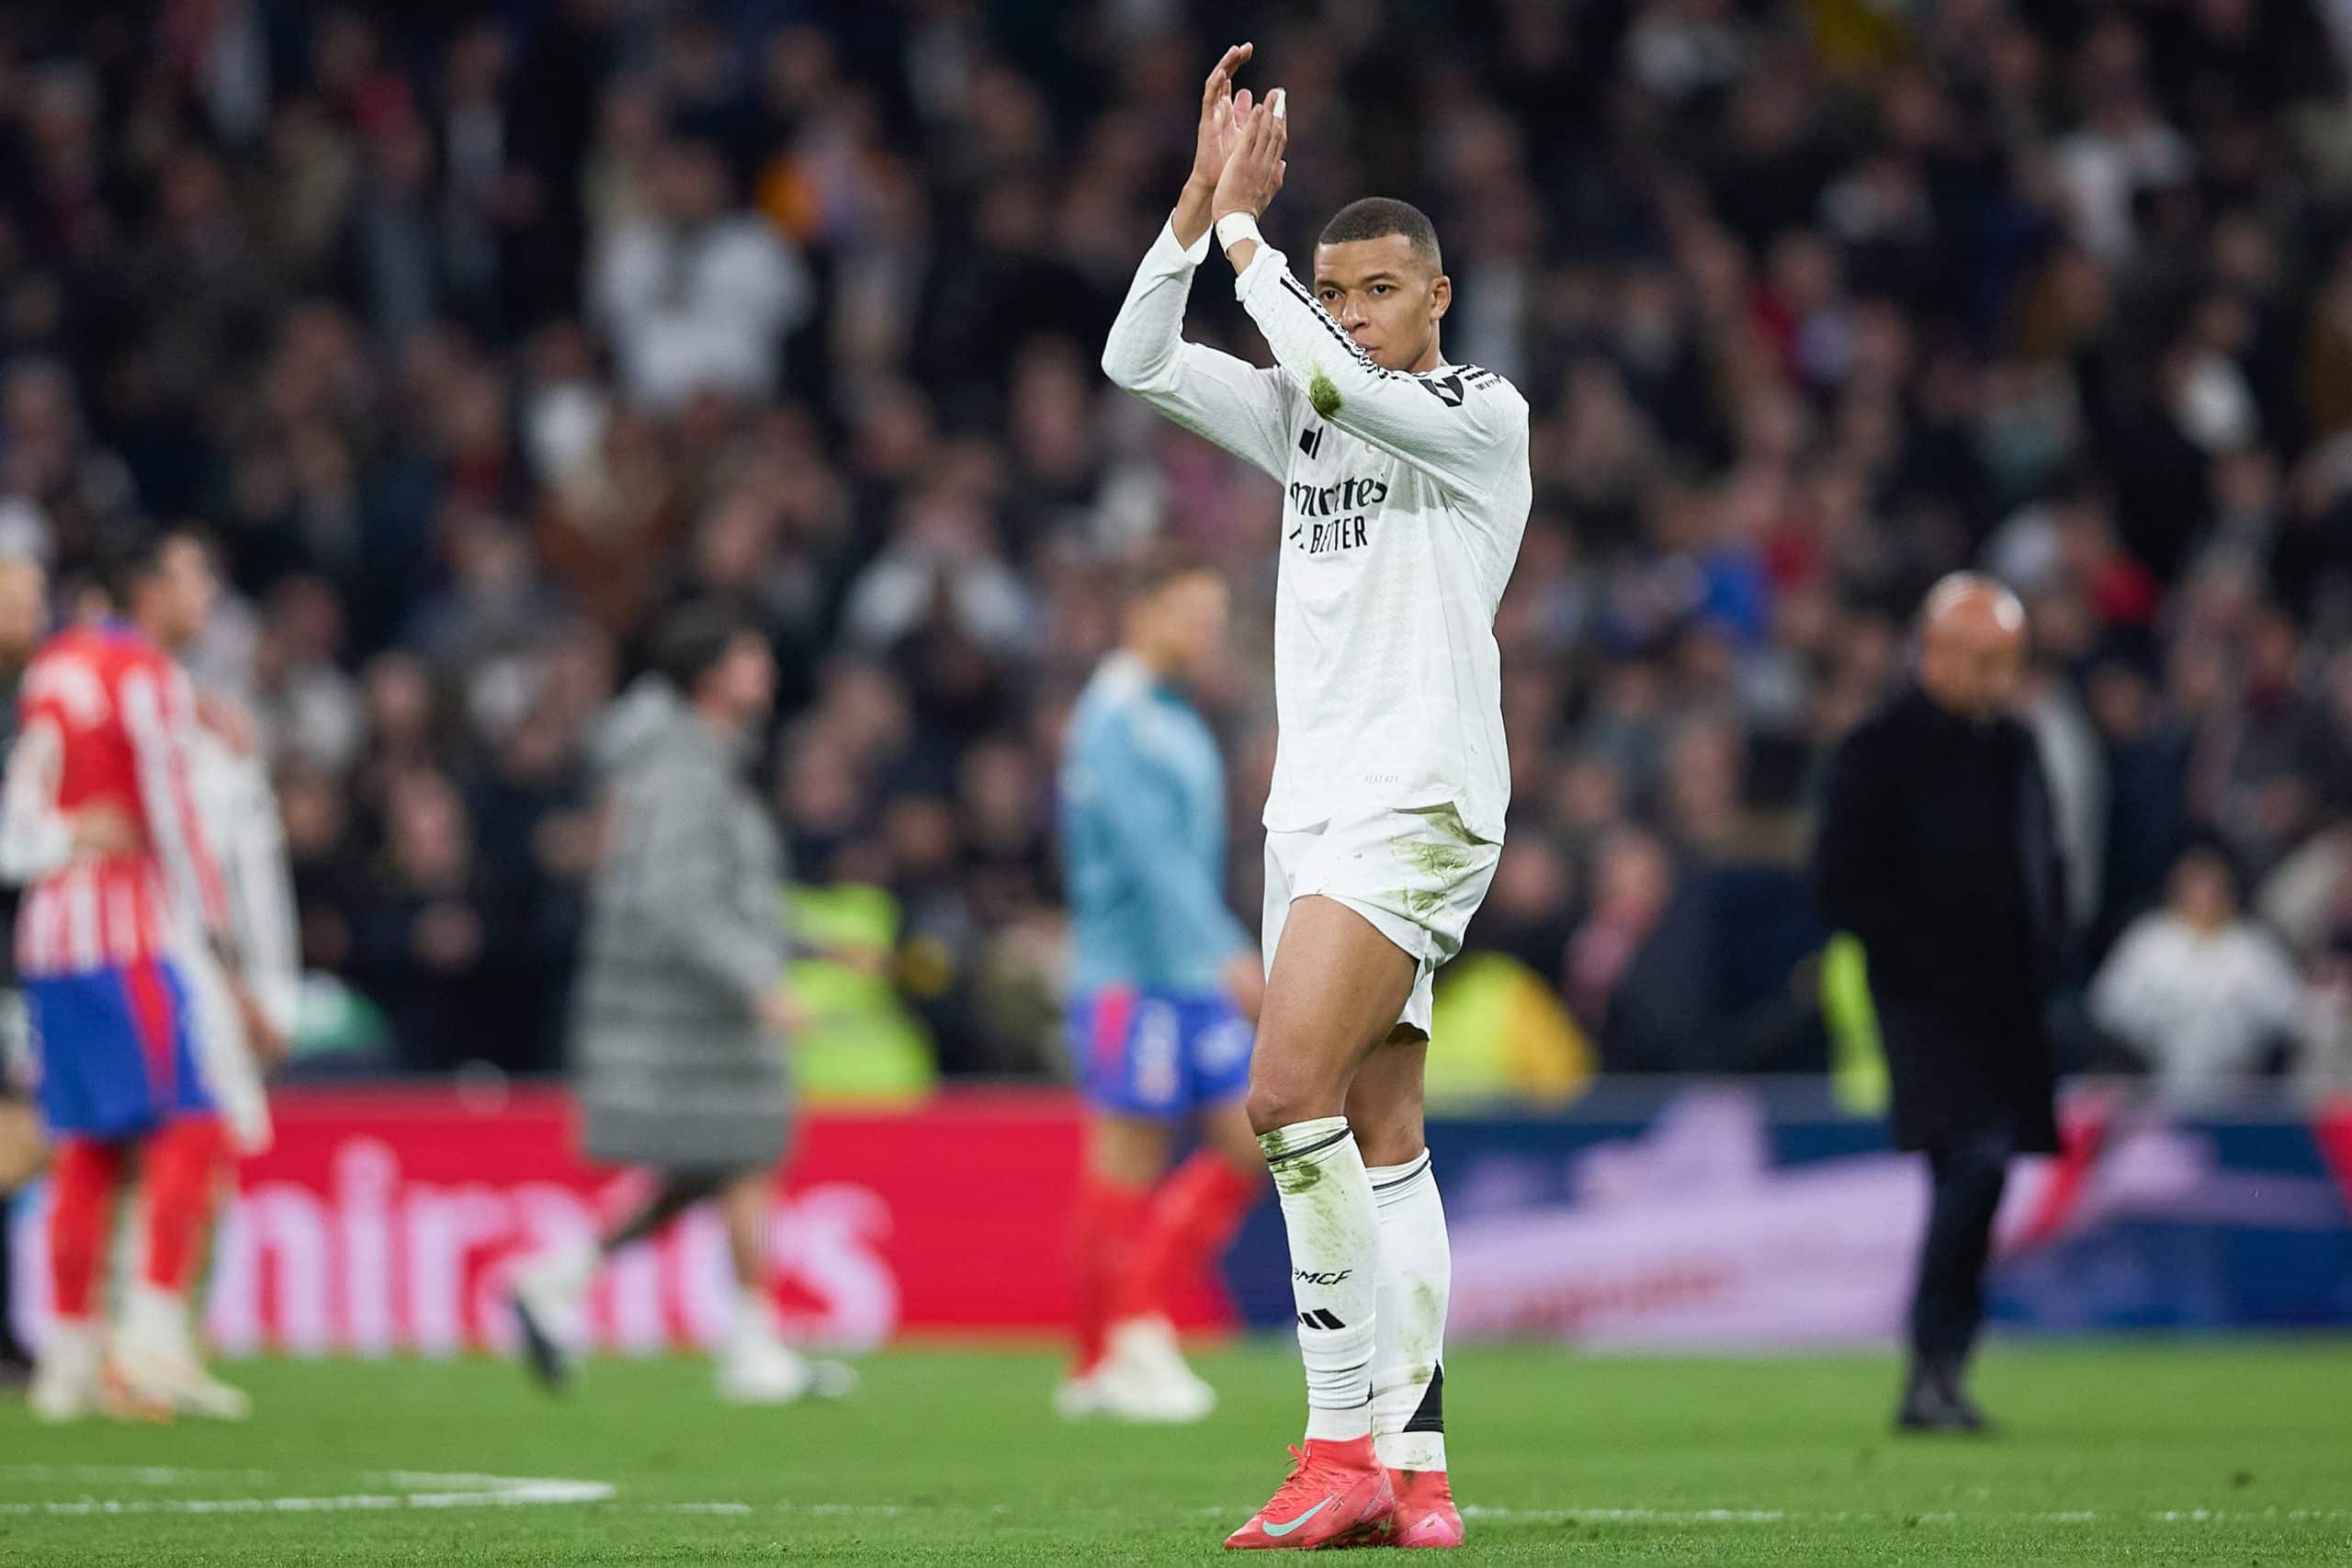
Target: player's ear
pixel 1441 295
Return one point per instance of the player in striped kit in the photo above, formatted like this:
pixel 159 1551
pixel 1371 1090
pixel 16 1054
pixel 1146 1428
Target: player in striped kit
pixel 99 819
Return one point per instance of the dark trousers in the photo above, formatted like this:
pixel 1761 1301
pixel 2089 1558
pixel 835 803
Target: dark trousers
pixel 1948 1303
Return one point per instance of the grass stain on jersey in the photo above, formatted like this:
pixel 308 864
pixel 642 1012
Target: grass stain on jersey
pixel 1322 395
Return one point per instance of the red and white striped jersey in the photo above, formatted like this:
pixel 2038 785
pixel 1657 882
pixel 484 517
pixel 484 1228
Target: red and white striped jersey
pixel 104 718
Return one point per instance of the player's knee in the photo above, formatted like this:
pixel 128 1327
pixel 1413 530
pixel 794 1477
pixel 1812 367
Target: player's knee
pixel 1268 1106
pixel 1279 1099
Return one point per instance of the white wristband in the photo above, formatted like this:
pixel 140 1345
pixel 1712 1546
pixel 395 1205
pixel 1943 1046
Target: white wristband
pixel 1234 227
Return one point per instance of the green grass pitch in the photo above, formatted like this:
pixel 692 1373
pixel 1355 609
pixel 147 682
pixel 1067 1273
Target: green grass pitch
pixel 2142 1452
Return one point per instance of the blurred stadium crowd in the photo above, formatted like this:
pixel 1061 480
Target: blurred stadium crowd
pixel 477 335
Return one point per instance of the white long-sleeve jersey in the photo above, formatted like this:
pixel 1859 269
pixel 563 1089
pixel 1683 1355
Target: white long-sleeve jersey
pixel 1405 498
pixel 233 795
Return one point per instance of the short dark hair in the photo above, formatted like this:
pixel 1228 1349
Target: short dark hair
pixel 693 640
pixel 1376 217
pixel 138 555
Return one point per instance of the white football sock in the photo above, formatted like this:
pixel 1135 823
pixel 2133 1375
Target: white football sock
pixel 74 1342
pixel 155 1320
pixel 1416 1278
pixel 754 1329
pixel 1334 1267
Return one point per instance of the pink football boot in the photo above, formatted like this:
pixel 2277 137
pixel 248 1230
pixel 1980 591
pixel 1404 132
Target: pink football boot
pixel 1337 1495
pixel 1426 1516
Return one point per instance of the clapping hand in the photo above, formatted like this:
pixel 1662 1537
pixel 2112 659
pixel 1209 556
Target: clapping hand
pixel 1222 117
pixel 1254 168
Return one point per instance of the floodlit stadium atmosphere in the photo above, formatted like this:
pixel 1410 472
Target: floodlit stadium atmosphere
pixel 847 781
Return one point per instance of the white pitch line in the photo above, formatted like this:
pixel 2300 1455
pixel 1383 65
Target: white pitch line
pixel 136 1474
pixel 462 1489
pixel 425 1489
pixel 1779 1515
pixel 1633 1516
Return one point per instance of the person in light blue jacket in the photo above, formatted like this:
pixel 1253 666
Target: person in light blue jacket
pixel 1165 985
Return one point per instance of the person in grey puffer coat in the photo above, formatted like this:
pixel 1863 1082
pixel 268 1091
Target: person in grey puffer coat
pixel 681 1007
pixel 679 1011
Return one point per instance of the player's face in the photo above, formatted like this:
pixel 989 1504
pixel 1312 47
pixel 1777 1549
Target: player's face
pixel 1193 615
pixel 2201 893
pixel 748 678
pixel 1384 295
pixel 1973 669
pixel 189 587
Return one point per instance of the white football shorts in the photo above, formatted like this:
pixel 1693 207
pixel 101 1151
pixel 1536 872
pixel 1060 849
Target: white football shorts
pixel 1417 875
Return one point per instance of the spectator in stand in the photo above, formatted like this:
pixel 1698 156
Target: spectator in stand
pixel 434 936
pixel 1625 984
pixel 697 293
pixel 2205 996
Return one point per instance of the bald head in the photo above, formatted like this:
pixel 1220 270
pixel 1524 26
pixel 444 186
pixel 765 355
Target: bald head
pixel 1972 645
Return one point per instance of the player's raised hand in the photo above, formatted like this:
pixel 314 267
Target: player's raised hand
pixel 1221 115
pixel 1253 172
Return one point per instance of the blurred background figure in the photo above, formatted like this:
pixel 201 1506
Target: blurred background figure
pixel 24 621
pixel 2204 995
pixel 1938 850
pixel 698 293
pixel 99 823
pixel 1165 982
pixel 242 1020
pixel 684 1008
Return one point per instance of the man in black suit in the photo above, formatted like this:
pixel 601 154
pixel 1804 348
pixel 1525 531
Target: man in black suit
pixel 1936 850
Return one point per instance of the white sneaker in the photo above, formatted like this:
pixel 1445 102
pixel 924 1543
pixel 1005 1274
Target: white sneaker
pixel 763 1374
pixel 66 1375
pixel 1082 1397
pixel 1145 1378
pixel 155 1372
pixel 149 1385
pixel 774 1373
pixel 758 1368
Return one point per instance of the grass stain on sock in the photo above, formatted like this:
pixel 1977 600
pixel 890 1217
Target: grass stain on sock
pixel 1298 1176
